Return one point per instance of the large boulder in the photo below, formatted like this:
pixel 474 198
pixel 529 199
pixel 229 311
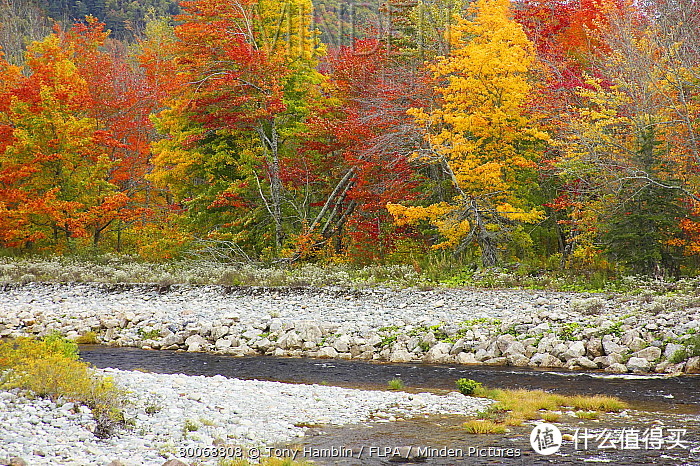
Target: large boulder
pixel 327 352
pixel 616 368
pixel 518 360
pixel 439 353
pixel 610 346
pixel 576 349
pixel 692 366
pixel 222 343
pixel 594 347
pixel 505 341
pixel 196 343
pixel 582 362
pixel 219 331
pixel 545 360
pixel 466 358
pixel 514 348
pixel 172 339
pixel 309 331
pixel 650 353
pixel 400 355
pixel 636 364
pixel 342 344
pixel 290 340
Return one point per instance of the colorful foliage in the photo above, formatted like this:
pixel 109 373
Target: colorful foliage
pixel 480 133
pixel 489 128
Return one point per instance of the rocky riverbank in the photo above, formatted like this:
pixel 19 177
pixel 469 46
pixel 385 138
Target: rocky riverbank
pixel 498 327
pixel 189 417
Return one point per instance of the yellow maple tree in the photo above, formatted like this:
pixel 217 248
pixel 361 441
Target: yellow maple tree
pixel 480 133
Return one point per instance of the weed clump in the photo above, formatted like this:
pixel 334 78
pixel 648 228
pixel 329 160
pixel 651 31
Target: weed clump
pixel 396 384
pixel 589 415
pixel 482 426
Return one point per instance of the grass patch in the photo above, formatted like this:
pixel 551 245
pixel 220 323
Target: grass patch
pixel 549 416
pixel 588 415
pixel 605 404
pixel 50 368
pixel 87 338
pixel 513 421
pixel 190 426
pixel 513 407
pixel 483 426
pixel 396 384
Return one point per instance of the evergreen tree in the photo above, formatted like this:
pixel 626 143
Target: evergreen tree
pixel 638 231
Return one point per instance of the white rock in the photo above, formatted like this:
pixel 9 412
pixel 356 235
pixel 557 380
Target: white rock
pixel 196 343
pixel 327 352
pixel 651 353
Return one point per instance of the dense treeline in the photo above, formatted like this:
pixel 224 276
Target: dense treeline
pixel 557 133
pixel 22 20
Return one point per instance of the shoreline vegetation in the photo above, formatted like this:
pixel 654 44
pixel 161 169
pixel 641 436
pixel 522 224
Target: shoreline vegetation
pixel 438 273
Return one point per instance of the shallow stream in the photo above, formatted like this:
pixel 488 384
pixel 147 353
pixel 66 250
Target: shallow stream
pixel 658 404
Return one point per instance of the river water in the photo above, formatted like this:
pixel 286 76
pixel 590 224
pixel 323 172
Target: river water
pixel 659 404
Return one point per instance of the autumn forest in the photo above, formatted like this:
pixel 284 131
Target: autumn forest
pixel 551 133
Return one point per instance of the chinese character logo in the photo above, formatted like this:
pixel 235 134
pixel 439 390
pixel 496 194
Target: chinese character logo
pixel 545 439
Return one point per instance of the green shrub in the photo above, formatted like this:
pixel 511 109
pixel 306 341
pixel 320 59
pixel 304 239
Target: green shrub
pixel 692 348
pixel 152 334
pixel 679 356
pixel 692 345
pixel 467 386
pixel 50 368
pixel 396 384
pixel 568 330
pixel 152 409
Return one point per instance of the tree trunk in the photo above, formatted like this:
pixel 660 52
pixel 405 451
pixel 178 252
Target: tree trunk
pixel 119 237
pixel 489 254
pixel 270 143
